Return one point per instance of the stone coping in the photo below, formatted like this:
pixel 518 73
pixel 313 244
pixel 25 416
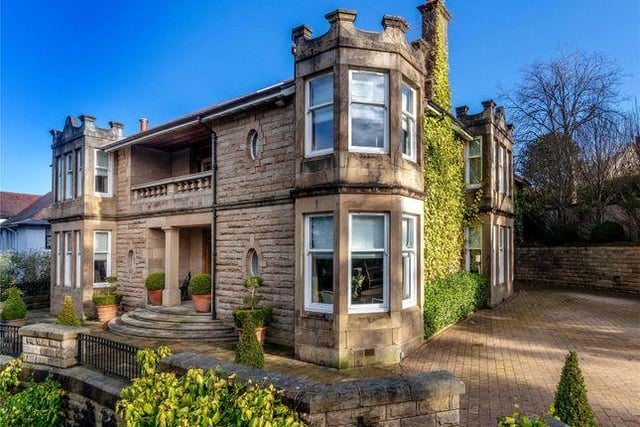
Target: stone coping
pixel 312 397
pixel 50 331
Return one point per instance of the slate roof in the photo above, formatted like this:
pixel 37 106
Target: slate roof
pixel 36 213
pixel 12 203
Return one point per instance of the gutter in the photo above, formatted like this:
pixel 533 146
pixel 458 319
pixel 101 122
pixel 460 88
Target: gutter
pixel 456 124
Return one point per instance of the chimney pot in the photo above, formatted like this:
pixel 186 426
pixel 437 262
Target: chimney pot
pixel 143 124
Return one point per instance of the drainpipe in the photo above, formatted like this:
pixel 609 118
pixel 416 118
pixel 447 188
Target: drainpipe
pixel 214 185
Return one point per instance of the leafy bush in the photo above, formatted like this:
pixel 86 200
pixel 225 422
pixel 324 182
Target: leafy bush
pixel 452 298
pixel 251 284
pixel 519 420
pixel 249 351
pixel 571 404
pixel 14 307
pixel 24 267
pixel 198 399
pixel 68 315
pixel 607 232
pixel 260 316
pixel 39 404
pixel 561 234
pixel 200 284
pixel 154 282
pixel 107 299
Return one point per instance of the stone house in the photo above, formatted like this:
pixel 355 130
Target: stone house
pixel 315 184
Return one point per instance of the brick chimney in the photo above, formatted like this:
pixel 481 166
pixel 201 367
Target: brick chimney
pixel 143 124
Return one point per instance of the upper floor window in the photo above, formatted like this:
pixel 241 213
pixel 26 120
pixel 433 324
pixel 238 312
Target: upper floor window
pixel 509 172
pixel 319 114
pixel 68 179
pixel 408 137
pixel 79 173
pixel 409 263
pixel 473 252
pixel 501 170
pixel 102 175
pixel 368 112
pixel 473 172
pixel 368 263
pixel 318 263
pixel 59 166
pixel 254 144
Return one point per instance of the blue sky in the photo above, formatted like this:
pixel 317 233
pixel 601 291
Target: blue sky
pixel 122 60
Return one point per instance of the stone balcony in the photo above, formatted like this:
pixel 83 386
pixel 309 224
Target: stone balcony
pixel 181 192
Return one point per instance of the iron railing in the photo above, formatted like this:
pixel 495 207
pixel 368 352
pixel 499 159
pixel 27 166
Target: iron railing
pixel 110 357
pixel 10 341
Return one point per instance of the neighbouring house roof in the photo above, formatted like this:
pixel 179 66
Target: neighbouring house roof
pixel 35 214
pixel 12 203
pixel 181 127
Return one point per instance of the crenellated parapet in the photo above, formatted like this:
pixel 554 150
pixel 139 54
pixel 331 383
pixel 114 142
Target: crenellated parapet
pixel 84 125
pixel 491 113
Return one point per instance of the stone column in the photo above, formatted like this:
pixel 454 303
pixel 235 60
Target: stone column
pixel 171 293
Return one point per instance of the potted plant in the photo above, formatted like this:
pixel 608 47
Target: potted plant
pixel 155 285
pixel 200 288
pixel 107 301
pixel 260 317
pixel 14 311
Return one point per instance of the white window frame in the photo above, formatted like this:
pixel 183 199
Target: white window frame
pixel 496 167
pixel 308 139
pixel 109 174
pixel 58 259
pixel 108 252
pixel 501 172
pixel 411 119
pixel 79 165
pixel 309 305
pixel 68 254
pixel 373 150
pixel 468 157
pixel 59 173
pixel 501 254
pixel 494 255
pixel 78 259
pixel 469 248
pixel 384 305
pixel 509 172
pixel 68 176
pixel 412 254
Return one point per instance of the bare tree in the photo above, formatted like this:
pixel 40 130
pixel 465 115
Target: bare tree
pixel 554 101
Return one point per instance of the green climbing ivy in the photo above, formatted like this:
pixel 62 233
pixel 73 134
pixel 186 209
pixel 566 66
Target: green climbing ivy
pixel 444 206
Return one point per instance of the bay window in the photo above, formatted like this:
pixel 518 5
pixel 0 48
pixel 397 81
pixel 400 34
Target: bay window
pixel 409 263
pixel 58 259
pixel 101 257
pixel 473 167
pixel 78 259
pixel 368 263
pixel 102 177
pixel 501 171
pixel 67 258
pixel 473 252
pixel 59 188
pixel 319 115
pixel 79 174
pixel 319 263
pixel 408 136
pixel 501 255
pixel 68 179
pixel 368 112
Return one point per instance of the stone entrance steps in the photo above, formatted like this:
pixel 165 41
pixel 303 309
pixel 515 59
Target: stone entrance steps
pixel 172 323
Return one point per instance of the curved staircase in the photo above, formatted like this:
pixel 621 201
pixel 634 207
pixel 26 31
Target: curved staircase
pixel 172 323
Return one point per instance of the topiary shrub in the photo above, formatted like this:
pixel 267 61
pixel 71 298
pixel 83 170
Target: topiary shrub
pixel 107 299
pixel 260 316
pixel 249 351
pixel 154 282
pixel 14 307
pixel 68 315
pixel 607 232
pixel 452 298
pixel 198 399
pixel 200 284
pixel 571 405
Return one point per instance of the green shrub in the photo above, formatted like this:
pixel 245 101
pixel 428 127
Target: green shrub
pixel 561 234
pixel 107 299
pixel 571 405
pixel 68 315
pixel 607 232
pixel 260 316
pixel 251 284
pixel 452 298
pixel 14 307
pixel 198 399
pixel 154 282
pixel 200 284
pixel 249 351
pixel 37 404
pixel 24 267
pixel 519 420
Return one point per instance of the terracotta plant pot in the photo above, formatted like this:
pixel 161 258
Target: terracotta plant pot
pixel 261 332
pixel 16 322
pixel 107 312
pixel 202 303
pixel 155 297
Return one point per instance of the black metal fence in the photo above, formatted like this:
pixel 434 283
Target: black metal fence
pixel 10 341
pixel 109 357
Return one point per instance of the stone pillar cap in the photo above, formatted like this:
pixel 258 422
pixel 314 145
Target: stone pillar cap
pixel 86 118
pixel 301 31
pixel 390 21
pixel 341 15
pixel 462 111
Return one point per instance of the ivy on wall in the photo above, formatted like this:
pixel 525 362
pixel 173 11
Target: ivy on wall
pixel 444 206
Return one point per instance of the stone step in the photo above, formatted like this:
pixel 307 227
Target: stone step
pixel 134 319
pixel 215 335
pixel 152 316
pixel 185 309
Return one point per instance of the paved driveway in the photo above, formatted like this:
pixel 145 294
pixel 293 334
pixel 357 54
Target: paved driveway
pixel 510 358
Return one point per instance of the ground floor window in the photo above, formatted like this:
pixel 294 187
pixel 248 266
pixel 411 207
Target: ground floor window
pixel 409 264
pixel 319 263
pixel 101 257
pixel 501 254
pixel 473 256
pixel 78 259
pixel 68 253
pixel 368 263
pixel 58 259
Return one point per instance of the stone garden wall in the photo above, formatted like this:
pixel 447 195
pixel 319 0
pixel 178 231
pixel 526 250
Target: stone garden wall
pixel 599 267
